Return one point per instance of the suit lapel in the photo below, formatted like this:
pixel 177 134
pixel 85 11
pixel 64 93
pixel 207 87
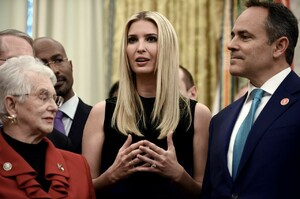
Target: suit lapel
pixel 270 113
pixel 229 122
pixel 222 134
pixel 77 127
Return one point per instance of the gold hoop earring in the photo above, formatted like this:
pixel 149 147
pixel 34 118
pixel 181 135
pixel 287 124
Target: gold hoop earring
pixel 12 118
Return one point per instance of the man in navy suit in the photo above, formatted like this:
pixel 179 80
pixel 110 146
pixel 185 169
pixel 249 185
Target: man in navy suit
pixel 262 49
pixel 75 111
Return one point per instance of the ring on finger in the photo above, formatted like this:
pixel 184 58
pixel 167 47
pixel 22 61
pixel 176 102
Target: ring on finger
pixel 153 165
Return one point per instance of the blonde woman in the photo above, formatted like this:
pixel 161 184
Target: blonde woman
pixel 149 142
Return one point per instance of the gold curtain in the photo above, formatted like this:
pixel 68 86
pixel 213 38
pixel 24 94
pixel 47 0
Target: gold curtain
pixel 197 23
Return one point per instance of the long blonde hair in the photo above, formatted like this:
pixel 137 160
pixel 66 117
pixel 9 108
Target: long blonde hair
pixel 166 112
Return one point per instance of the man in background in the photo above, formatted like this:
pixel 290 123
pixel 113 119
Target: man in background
pixel 15 43
pixel 75 111
pixel 186 85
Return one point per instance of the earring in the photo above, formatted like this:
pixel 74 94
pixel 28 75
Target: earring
pixel 12 118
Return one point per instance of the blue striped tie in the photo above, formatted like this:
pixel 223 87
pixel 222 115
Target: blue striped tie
pixel 244 130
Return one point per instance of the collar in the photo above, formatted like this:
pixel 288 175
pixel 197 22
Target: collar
pixel 272 84
pixel 69 107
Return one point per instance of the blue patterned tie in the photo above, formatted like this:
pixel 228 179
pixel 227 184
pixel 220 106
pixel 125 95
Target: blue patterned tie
pixel 58 124
pixel 244 130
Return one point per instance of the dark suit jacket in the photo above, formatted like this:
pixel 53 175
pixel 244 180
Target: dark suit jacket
pixel 60 140
pixel 82 112
pixel 73 141
pixel 68 173
pixel 270 163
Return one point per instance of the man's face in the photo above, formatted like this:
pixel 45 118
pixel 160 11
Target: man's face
pixel 182 86
pixel 12 46
pixel 54 56
pixel 251 54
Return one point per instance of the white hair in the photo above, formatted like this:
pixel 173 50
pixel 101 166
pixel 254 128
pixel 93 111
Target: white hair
pixel 15 78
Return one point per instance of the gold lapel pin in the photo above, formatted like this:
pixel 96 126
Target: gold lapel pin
pixel 60 167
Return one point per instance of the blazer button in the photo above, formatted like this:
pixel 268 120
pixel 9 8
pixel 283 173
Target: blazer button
pixel 7 166
pixel 234 196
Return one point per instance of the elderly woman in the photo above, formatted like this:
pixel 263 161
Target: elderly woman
pixel 31 166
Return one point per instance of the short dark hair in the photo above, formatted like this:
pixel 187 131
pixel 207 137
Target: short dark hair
pixel 280 22
pixel 113 91
pixel 188 78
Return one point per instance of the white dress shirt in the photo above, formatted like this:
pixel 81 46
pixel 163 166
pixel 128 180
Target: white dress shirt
pixel 269 87
pixel 69 108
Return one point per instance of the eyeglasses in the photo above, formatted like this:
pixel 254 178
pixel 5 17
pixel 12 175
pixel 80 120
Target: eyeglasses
pixel 45 97
pixel 56 61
